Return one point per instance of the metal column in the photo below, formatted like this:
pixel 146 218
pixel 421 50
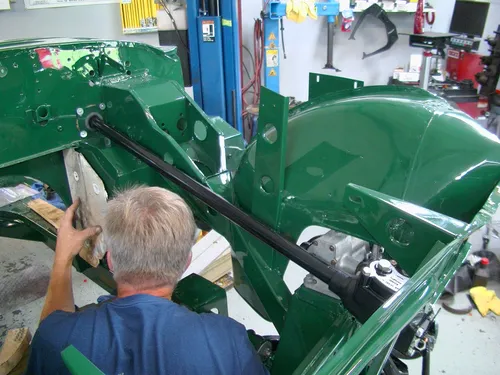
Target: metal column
pixel 215 58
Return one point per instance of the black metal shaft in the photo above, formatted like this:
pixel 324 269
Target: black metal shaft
pixel 329 47
pixel 213 8
pixel 426 362
pixel 255 228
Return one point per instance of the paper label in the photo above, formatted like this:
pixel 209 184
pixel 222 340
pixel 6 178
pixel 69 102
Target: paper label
pixel 208 31
pixel 272 60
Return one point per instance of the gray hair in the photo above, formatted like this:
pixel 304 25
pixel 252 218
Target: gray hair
pixel 149 232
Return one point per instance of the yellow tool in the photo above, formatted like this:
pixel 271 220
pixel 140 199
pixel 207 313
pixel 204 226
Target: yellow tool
pixel 298 10
pixel 485 300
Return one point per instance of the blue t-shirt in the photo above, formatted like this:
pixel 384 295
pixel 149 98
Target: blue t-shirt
pixel 145 335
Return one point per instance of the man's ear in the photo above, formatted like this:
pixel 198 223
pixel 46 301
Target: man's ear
pixel 110 263
pixel 188 263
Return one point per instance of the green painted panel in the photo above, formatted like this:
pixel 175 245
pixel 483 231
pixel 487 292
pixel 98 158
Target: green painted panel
pixel 403 152
pixel 321 84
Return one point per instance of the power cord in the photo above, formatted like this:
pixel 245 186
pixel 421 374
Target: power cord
pixel 169 14
pixel 283 38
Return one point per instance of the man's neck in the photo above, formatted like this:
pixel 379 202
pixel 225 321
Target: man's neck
pixel 127 290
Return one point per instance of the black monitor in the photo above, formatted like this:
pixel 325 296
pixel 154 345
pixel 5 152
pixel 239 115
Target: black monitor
pixel 469 18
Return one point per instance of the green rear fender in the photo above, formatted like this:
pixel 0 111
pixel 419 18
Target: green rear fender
pixel 405 143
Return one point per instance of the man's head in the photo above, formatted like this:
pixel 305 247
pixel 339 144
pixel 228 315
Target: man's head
pixel 148 232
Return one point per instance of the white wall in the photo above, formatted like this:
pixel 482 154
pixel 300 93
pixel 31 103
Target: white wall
pixel 306 46
pixel 94 21
pixel 306 42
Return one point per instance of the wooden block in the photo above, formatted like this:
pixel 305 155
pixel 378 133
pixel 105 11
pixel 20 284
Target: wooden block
pixel 219 267
pixel 205 251
pixel 20 368
pixel 53 216
pixel 225 282
pixel 16 344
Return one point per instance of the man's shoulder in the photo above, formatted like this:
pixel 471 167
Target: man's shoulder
pixel 55 328
pixel 220 327
pixel 216 321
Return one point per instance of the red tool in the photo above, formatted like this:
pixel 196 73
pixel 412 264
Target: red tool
pixel 462 65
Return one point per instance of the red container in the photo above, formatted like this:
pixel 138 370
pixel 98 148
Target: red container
pixel 462 65
pixel 418 24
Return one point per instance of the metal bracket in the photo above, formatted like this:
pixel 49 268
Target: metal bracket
pixel 270 157
pixel 320 84
pixel 392 33
pixel 406 231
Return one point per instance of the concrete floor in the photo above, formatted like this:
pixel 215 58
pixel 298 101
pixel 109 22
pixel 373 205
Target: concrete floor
pixel 466 344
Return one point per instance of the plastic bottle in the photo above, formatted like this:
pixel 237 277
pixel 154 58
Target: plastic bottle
pixel 482 273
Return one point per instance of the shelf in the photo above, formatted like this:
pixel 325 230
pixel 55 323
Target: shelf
pixel 140 30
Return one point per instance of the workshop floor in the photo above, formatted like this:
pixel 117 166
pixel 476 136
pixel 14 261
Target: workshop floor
pixel 466 344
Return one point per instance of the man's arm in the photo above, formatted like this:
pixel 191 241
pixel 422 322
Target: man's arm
pixel 69 242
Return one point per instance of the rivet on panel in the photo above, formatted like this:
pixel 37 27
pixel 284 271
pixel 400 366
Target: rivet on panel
pixel 83 134
pixel 59 128
pixel 79 111
pixel 75 176
pixel 102 106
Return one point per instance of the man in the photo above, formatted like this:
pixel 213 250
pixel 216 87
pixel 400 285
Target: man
pixel 148 233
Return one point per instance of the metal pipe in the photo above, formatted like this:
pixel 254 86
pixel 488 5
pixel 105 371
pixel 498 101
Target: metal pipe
pixel 425 70
pixel 337 280
pixel 213 8
pixel 233 97
pixel 426 362
pixel 203 7
pixel 329 47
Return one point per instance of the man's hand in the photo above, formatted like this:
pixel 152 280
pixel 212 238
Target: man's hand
pixel 69 239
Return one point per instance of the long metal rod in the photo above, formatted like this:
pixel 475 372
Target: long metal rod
pixel 329 47
pixel 290 250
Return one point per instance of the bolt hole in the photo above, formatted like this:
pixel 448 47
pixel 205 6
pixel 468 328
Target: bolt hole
pixel 270 134
pixel 42 112
pixel 15 65
pixel 181 124
pixel 39 91
pixel 355 199
pixel 128 72
pixel 91 73
pixel 69 59
pixel 200 130
pixel 267 184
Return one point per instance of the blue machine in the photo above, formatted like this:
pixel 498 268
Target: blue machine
pixel 215 58
pixel 276 11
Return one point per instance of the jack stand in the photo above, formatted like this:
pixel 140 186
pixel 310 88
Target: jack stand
pixel 329 51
